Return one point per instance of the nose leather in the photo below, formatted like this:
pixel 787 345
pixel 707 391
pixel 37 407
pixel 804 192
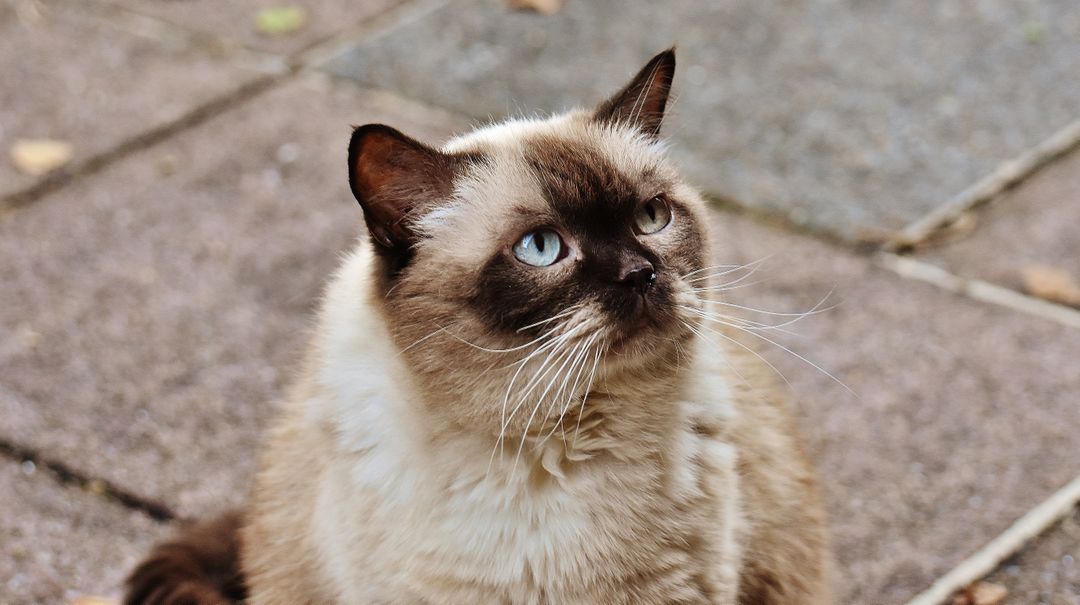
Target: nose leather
pixel 640 277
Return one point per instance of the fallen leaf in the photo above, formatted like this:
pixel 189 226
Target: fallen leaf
pixel 982 593
pixel 97 486
pixel 38 156
pixel 1035 32
pixel 93 601
pixel 1053 284
pixel 280 20
pixel 544 7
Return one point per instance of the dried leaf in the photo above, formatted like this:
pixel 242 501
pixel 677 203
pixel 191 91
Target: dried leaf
pixel 1053 284
pixel 93 601
pixel 1035 32
pixel 280 20
pixel 38 156
pixel 987 593
pixel 544 7
pixel 982 593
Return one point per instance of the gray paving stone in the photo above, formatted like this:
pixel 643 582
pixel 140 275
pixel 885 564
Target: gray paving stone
pixel 235 19
pixel 965 415
pixel 1047 570
pixel 68 73
pixel 156 308
pixel 1034 225
pixel 60 543
pixel 850 117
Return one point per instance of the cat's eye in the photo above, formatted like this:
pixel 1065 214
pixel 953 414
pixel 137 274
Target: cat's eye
pixel 539 248
pixel 652 216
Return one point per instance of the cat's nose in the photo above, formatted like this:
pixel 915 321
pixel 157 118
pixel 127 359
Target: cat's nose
pixel 639 277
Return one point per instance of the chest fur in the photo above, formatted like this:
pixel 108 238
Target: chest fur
pixel 609 531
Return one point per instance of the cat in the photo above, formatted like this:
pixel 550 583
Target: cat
pixel 510 396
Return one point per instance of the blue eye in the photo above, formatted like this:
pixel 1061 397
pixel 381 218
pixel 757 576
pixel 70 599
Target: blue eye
pixel 539 248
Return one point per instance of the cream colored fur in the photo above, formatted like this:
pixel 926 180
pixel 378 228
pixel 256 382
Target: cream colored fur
pixel 392 476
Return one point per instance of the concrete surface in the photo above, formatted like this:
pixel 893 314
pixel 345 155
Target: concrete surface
pixel 234 20
pixel 1047 571
pixel 964 416
pixel 60 542
pixel 69 73
pixel 1035 225
pixel 850 117
pixel 157 308
pixel 150 313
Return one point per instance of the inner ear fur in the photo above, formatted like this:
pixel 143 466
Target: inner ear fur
pixel 641 103
pixel 395 177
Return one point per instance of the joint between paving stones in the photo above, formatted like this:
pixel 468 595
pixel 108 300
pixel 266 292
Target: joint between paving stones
pixel 60 178
pixel 1007 176
pixel 781 222
pixel 371 28
pixel 66 475
pixel 293 64
pixel 977 289
pixel 1035 522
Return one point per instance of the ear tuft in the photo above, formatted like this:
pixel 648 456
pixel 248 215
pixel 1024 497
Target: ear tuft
pixel 642 102
pixel 394 177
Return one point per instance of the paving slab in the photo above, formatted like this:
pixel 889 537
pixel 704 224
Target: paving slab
pixel 71 74
pixel 965 415
pixel 156 308
pixel 1047 571
pixel 235 20
pixel 850 117
pixel 61 542
pixel 1031 226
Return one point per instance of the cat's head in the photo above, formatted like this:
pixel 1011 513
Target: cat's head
pixel 533 254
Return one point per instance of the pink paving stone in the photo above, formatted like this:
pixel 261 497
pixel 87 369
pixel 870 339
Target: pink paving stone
pixel 1037 224
pixel 966 414
pixel 60 542
pixel 1048 569
pixel 235 19
pixel 71 74
pixel 156 308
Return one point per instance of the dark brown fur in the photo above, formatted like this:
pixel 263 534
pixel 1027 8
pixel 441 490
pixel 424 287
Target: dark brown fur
pixel 200 566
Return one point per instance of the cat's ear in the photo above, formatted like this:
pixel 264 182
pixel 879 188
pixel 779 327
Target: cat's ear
pixel 394 178
pixel 641 103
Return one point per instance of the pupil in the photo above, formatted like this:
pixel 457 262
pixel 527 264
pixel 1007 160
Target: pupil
pixel 651 210
pixel 540 242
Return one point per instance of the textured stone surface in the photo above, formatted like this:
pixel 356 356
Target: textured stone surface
pixel 1038 224
pixel 68 73
pixel 965 414
pixel 60 542
pixel 851 117
pixel 1047 571
pixel 156 308
pixel 235 19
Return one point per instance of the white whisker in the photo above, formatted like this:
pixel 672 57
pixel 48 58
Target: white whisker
pixel 588 389
pixel 776 344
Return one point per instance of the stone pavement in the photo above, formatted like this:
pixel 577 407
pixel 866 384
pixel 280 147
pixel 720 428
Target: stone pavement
pixel 152 305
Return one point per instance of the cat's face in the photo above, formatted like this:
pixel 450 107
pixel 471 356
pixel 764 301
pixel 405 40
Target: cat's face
pixel 523 258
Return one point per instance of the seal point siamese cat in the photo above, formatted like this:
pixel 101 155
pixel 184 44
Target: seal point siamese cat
pixel 511 395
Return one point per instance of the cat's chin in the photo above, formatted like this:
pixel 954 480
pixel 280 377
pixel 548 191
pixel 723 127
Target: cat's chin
pixel 643 337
